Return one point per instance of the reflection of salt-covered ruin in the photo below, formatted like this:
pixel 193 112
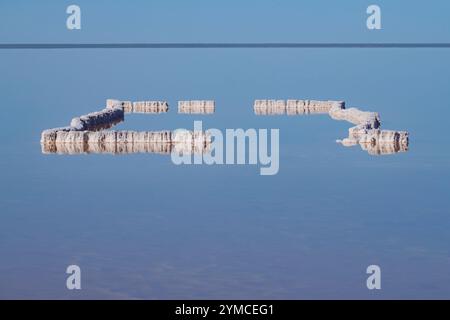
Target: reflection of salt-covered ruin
pixel 86 134
pixel 366 132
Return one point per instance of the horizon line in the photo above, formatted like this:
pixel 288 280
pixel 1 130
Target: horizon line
pixel 224 45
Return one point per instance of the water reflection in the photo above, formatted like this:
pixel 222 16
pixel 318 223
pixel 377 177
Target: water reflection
pixel 376 147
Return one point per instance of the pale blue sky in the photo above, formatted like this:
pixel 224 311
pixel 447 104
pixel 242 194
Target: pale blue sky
pixel 224 21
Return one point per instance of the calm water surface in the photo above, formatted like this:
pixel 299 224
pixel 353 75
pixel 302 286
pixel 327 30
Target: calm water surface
pixel 141 227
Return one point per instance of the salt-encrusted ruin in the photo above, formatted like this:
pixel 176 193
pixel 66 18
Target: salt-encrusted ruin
pixel 139 106
pixel 85 134
pixel 91 122
pixel 124 142
pixel 127 106
pixel 95 121
pixel 196 107
pixel 189 107
pixel 293 107
pixel 366 132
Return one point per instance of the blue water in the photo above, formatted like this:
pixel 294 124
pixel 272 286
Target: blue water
pixel 141 227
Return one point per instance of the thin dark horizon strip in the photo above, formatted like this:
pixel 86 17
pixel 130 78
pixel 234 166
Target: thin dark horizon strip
pixel 287 45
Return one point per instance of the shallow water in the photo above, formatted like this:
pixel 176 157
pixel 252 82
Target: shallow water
pixel 141 227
